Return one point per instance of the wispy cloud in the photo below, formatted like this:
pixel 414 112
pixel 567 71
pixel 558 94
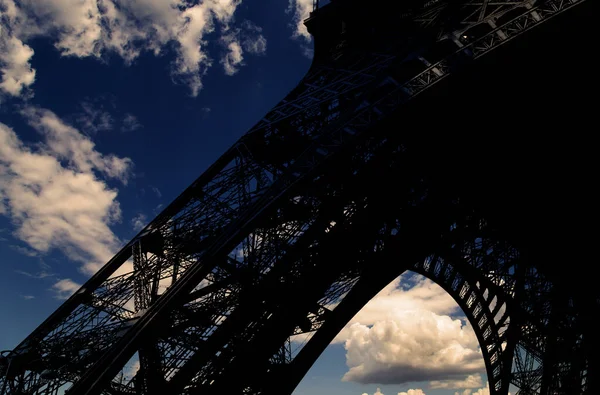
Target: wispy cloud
pixel 65 288
pixel 25 251
pixel 236 41
pixel 93 117
pixel 138 222
pixel 157 209
pixel 39 274
pixel 205 112
pixel 157 192
pixel 64 142
pixel 43 272
pixel 130 123
pixel 28 297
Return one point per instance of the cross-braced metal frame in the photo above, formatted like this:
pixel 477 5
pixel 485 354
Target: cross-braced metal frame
pixel 289 234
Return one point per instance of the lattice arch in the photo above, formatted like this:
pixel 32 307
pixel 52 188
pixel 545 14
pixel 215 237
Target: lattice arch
pixel 485 277
pixel 486 306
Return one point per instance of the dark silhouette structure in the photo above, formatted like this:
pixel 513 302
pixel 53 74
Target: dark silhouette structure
pixel 450 139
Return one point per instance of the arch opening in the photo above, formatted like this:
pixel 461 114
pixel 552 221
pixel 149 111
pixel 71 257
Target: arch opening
pixel 413 335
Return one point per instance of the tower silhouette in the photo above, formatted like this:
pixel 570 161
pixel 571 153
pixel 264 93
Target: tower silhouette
pixel 440 138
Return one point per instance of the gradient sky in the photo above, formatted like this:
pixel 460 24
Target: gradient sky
pixel 108 112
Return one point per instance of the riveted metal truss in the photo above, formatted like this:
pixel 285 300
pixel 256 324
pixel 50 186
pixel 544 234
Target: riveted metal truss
pixel 205 299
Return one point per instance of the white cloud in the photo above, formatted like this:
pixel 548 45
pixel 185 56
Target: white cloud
pixel 233 58
pixel 300 10
pixel 65 288
pixel 28 297
pixel 471 381
pixel 413 392
pixel 481 391
pixel 406 335
pixel 15 55
pixel 17 73
pixel 407 292
pixel 67 143
pixel 138 222
pixel 93 28
pixel 53 195
pixel 378 392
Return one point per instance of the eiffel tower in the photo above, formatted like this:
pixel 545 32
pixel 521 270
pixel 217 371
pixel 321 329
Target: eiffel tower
pixel 441 139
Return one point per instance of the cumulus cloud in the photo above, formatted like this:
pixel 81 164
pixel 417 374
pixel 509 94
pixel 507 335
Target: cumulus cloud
pixel 406 334
pixel 94 28
pixel 412 392
pixel 65 288
pixel 54 193
pixel 481 391
pixel 378 392
pixel 408 292
pixel 471 381
pixel 412 346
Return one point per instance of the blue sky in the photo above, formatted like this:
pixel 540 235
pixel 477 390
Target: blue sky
pixel 108 112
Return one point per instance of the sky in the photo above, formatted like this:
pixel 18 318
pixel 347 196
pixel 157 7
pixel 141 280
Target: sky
pixel 110 109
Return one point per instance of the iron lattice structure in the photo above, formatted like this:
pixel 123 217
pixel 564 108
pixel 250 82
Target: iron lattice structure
pixel 330 196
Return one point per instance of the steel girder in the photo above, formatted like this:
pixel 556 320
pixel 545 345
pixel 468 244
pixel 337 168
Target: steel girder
pixel 189 296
